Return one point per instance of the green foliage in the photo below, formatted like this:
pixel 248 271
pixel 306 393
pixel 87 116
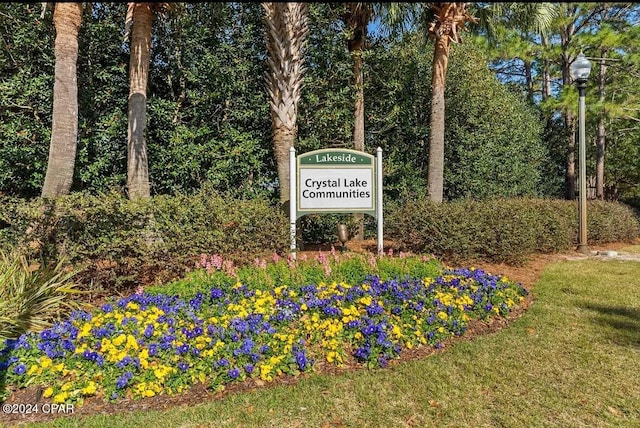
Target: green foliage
pixel 118 242
pixel 32 295
pixel 325 267
pixel 494 146
pixel 505 230
pixel 26 61
pixel 493 137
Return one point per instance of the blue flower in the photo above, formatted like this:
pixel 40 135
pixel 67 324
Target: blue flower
pixel 183 366
pixel 20 369
pixel 234 373
pixel 123 380
pixel 216 293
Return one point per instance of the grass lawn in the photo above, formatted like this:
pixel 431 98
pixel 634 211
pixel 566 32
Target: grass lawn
pixel 571 360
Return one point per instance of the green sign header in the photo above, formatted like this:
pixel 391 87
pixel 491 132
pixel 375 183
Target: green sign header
pixel 342 157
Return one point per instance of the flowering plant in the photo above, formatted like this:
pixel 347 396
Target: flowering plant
pixel 148 344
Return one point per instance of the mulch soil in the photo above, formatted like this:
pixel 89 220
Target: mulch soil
pixel 527 274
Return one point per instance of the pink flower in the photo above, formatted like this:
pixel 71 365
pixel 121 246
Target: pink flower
pixel 276 257
pixel 372 261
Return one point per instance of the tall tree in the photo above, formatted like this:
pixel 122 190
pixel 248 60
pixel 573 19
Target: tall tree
pixel 287 26
pixel 67 19
pixel 139 22
pixel 449 20
pixel 356 18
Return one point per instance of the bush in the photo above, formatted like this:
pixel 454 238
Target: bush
pixel 118 242
pixel 32 296
pixel 505 230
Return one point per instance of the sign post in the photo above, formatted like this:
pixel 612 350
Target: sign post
pixel 336 181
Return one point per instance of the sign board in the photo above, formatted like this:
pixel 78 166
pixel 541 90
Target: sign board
pixel 335 181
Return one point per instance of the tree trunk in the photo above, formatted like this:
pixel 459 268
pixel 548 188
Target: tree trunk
pixel 601 131
pixel 435 178
pixel 67 18
pixel 570 176
pixel 529 79
pixel 283 139
pixel 570 126
pixel 287 27
pixel 137 164
pixel 355 50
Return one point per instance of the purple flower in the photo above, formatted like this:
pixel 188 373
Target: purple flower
pixel 234 373
pixel 248 368
pixel 301 360
pixel 123 380
pixel 20 369
pixel 148 331
pixel 216 293
pixel 183 366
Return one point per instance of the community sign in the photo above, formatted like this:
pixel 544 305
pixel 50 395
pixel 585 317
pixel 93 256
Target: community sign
pixel 336 181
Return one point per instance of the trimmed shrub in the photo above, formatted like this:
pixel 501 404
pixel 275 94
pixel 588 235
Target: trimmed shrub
pixel 118 242
pixel 505 230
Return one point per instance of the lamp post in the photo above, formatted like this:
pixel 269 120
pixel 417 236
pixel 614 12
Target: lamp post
pixel 580 69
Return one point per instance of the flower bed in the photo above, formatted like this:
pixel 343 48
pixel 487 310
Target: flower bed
pixel 146 344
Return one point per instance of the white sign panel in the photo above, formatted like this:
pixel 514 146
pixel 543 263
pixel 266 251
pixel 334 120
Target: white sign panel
pixel 336 188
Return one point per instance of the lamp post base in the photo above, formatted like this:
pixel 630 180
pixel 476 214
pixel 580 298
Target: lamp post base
pixel 583 248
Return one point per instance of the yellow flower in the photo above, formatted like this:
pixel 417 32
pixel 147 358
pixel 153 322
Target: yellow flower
pixel 334 356
pixel 86 329
pixel 443 315
pixel 47 392
pixel 60 398
pixel 265 370
pixel 119 340
pixel 366 300
pixel 45 362
pixel 131 342
pixel 90 389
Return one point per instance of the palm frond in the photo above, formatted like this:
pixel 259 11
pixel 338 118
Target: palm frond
pixel 33 296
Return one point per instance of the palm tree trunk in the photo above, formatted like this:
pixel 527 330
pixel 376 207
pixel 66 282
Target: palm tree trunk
pixel 355 46
pixel 137 164
pixel 287 27
pixel 67 18
pixel 435 179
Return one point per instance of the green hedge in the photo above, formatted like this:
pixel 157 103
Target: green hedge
pixel 118 242
pixel 505 230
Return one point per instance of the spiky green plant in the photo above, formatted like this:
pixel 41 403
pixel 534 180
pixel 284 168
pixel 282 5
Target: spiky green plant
pixel 32 296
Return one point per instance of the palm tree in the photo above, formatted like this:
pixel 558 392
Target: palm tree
pixel 67 19
pixel 138 24
pixel 356 18
pixel 449 20
pixel 287 26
